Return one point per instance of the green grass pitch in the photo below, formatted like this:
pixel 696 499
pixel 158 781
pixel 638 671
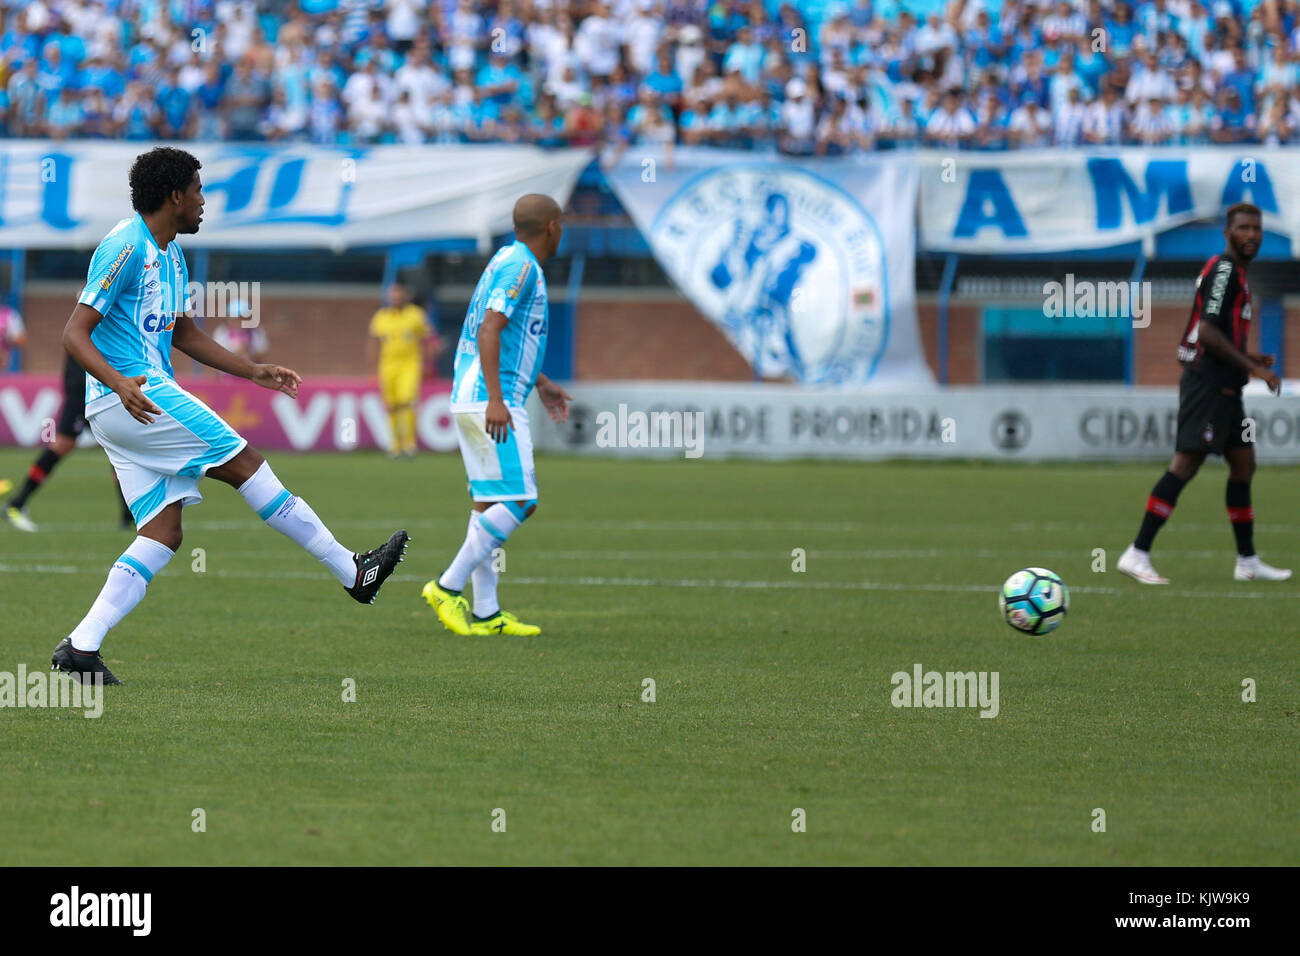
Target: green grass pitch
pixel 772 687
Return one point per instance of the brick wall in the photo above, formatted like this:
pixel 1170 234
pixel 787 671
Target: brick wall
pixel 663 337
pixel 315 335
pixel 654 336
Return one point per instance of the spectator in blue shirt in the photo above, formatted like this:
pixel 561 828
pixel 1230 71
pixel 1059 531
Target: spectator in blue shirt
pixel 664 80
pixel 96 73
pixel 64 115
pixel 1120 31
pixel 1234 124
pixel 498 79
pixel 26 101
pixel 174 104
pixel 744 56
pixel 136 115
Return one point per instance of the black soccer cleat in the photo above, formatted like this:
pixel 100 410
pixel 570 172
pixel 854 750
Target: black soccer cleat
pixel 82 665
pixel 374 567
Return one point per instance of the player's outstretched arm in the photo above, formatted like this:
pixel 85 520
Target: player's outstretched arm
pixel 1221 347
pixel 77 343
pixel 200 346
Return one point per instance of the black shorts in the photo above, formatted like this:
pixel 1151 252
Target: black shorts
pixel 1209 421
pixel 72 420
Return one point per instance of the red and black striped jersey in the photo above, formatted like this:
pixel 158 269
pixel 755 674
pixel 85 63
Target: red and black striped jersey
pixel 1222 298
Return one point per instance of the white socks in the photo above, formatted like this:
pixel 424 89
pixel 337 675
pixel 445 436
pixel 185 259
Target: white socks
pixel 487 531
pixel 293 518
pixel 484 580
pixel 127 580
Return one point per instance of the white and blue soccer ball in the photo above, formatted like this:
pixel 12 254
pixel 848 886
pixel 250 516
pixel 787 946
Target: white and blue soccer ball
pixel 1034 601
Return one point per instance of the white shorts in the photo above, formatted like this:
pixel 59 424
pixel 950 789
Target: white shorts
pixel 163 462
pixel 497 471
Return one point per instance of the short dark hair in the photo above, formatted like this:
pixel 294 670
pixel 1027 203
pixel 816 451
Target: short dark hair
pixel 1246 208
pixel 155 175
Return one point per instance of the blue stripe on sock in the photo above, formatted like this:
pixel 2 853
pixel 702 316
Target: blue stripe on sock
pixel 274 506
pixel 128 560
pixel 519 511
pixel 490 529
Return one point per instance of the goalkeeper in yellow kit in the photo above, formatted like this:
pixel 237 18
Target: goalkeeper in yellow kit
pixel 401 335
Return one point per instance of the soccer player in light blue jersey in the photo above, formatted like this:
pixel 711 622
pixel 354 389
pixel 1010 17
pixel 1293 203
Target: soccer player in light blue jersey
pixel 498 362
pixel 160 439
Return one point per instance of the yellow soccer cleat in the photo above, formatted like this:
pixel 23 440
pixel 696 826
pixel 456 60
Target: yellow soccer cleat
pixel 503 622
pixel 5 486
pixel 18 518
pixel 452 609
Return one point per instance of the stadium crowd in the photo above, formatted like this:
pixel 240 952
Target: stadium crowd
pixel 802 77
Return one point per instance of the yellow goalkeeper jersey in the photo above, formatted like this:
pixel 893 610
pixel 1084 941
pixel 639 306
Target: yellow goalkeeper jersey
pixel 400 332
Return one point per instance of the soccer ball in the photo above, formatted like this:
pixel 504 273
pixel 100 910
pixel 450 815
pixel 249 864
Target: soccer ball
pixel 1034 600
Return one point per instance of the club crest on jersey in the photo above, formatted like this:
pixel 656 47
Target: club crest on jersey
pixel 116 267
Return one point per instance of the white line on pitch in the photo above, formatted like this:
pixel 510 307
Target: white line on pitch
pixel 697 583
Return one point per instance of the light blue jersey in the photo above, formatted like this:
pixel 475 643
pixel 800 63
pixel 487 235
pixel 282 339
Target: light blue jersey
pixel 139 289
pixel 513 285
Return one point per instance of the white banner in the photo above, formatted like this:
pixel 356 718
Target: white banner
pixel 69 194
pixel 703 420
pixel 1025 201
pixel 806 266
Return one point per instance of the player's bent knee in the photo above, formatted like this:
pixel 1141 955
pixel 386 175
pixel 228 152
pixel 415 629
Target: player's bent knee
pixel 521 509
pixel 168 539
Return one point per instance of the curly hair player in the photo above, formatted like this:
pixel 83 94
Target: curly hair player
pixel 1211 417
pixel 161 439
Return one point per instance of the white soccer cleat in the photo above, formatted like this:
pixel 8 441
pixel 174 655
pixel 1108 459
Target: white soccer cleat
pixel 18 518
pixel 1137 565
pixel 1253 569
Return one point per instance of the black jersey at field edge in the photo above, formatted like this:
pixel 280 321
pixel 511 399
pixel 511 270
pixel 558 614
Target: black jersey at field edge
pixel 1222 298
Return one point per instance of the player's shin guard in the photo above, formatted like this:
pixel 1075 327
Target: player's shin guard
pixel 487 531
pixel 36 476
pixel 1242 516
pixel 1160 505
pixel 295 519
pixel 125 587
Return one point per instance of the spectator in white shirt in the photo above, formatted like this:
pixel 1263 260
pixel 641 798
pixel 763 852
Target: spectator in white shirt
pixel 1030 125
pixel 421 78
pixel 1150 79
pixel 798 119
pixel 1069 119
pixel 951 125
pixel 641 36
pixel 597 42
pixel 1107 119
pixel 1151 125
pixel 410 121
pixel 403 22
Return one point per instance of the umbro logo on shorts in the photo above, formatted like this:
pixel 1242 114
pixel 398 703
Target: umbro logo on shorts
pixel 370 576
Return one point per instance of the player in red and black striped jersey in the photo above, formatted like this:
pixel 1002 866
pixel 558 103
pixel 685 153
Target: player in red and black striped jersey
pixel 1211 417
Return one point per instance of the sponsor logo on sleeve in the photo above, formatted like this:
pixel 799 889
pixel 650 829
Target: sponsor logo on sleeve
pixel 513 291
pixel 116 267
